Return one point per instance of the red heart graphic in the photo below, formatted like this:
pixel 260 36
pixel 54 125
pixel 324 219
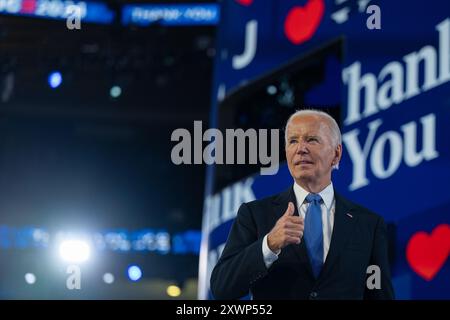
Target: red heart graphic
pixel 302 22
pixel 426 254
pixel 245 2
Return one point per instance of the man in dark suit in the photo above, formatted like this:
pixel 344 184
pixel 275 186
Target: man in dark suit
pixel 307 242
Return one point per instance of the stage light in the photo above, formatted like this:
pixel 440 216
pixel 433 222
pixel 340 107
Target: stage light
pixel 108 278
pixel 134 273
pixel 74 251
pixel 115 91
pixel 173 291
pixel 55 79
pixel 30 278
pixel 271 90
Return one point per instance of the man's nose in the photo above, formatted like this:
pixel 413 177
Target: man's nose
pixel 301 148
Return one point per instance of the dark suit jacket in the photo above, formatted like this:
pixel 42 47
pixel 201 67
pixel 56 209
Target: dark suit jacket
pixel 356 243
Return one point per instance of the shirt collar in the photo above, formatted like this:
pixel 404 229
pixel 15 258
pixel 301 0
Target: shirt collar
pixel 327 194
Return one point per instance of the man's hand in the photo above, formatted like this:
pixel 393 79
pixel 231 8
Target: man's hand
pixel 287 230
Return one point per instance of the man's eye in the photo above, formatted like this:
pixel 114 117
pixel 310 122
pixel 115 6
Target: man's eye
pixel 313 140
pixel 292 141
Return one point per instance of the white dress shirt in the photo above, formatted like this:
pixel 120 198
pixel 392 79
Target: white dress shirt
pixel 328 206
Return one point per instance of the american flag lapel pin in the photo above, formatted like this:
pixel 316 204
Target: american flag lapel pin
pixel 348 214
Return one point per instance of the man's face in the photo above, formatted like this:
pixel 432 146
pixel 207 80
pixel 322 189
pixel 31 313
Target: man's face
pixel 310 151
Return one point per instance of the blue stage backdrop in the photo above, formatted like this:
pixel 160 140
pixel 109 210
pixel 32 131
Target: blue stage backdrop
pixel 389 89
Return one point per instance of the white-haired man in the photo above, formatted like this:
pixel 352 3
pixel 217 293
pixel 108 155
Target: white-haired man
pixel 307 242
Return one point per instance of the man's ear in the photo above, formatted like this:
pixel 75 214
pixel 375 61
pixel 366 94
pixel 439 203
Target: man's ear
pixel 337 155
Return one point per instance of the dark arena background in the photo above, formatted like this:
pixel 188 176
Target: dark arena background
pixel 93 205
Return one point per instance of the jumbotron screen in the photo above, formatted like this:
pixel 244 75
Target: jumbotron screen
pixel 387 86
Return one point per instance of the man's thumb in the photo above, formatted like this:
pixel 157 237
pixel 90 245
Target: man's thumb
pixel 290 209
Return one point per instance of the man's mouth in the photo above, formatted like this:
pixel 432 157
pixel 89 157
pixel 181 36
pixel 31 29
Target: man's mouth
pixel 302 162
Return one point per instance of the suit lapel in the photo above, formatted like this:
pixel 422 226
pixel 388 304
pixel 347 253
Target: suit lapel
pixel 344 221
pixel 299 251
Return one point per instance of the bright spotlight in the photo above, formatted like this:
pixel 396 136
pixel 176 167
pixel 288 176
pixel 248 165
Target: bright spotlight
pixel 55 79
pixel 74 251
pixel 108 278
pixel 134 273
pixel 173 291
pixel 115 91
pixel 30 278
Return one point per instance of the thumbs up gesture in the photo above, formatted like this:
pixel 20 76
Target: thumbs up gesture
pixel 287 230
